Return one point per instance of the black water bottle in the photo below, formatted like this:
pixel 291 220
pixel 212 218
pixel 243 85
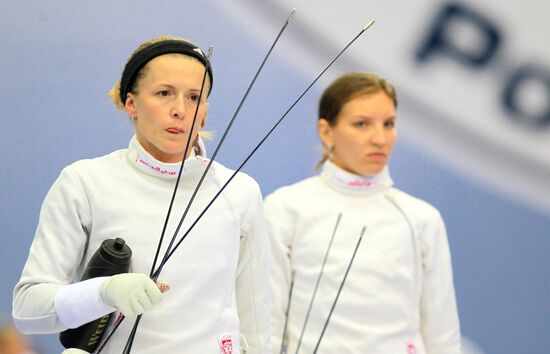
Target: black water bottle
pixel 112 257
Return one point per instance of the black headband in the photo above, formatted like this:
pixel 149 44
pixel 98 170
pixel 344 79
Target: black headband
pixel 145 55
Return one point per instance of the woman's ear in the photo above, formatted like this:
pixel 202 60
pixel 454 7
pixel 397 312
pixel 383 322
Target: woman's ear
pixel 203 123
pixel 130 106
pixel 325 132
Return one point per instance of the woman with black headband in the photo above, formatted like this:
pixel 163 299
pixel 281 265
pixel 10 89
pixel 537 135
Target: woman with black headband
pixel 218 289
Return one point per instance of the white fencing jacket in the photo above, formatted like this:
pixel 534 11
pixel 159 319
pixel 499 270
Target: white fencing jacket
pixel 218 276
pixel 399 295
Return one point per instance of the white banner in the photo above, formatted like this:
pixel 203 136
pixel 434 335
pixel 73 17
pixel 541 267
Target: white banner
pixel 473 78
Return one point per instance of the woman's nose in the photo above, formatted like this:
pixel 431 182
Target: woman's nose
pixel 378 136
pixel 178 111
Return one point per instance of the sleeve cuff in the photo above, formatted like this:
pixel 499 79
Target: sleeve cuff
pixel 79 303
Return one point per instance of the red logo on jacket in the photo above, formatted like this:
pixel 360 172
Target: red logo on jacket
pixel 226 345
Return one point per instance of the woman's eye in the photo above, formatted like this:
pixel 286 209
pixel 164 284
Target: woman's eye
pixel 194 97
pixel 163 93
pixel 389 124
pixel 360 124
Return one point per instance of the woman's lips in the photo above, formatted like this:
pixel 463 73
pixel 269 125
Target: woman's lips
pixel 173 130
pixel 377 156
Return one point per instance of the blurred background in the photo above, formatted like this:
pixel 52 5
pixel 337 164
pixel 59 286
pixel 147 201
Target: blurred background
pixel 473 80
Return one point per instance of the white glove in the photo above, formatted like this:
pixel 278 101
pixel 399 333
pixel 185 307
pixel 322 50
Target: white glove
pixel 131 293
pixel 74 351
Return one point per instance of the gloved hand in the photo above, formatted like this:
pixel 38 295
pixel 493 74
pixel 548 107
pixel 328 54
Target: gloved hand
pixel 74 351
pixel 131 293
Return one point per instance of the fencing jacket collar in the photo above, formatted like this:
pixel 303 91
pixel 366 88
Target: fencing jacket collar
pixel 351 183
pixel 145 162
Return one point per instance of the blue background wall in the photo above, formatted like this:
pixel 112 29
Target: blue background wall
pixel 59 59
